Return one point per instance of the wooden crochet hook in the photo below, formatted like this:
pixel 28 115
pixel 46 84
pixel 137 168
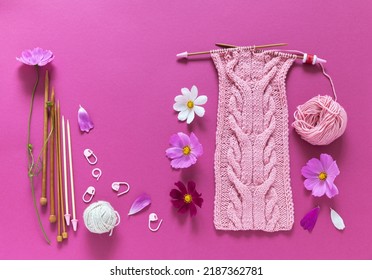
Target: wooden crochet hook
pixel 43 199
pixel 52 217
pixel 187 54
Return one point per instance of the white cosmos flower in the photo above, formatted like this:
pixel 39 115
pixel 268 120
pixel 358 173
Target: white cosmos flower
pixel 188 104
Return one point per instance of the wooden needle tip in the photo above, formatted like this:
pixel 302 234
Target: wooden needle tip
pixel 64 235
pixel 59 238
pixel 52 219
pixel 43 201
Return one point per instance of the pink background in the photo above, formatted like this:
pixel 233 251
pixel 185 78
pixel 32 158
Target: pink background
pixel 117 59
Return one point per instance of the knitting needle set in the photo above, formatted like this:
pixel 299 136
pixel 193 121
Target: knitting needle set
pixel 52 170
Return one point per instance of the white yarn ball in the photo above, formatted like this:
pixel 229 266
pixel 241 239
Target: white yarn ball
pixel 100 217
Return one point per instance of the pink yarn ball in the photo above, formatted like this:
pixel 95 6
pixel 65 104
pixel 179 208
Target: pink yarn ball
pixel 320 121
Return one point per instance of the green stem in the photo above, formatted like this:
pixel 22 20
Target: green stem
pixel 31 160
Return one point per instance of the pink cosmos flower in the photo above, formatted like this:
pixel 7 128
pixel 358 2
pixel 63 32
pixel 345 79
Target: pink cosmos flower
pixel 37 56
pixel 185 150
pixel 320 176
pixel 185 199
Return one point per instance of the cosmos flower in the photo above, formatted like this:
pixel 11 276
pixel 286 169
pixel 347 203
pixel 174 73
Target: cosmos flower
pixel 186 199
pixel 188 104
pixel 37 56
pixel 320 176
pixel 185 150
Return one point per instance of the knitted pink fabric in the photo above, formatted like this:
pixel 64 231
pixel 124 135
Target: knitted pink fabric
pixel 252 160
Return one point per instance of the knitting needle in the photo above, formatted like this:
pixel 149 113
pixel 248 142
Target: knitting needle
pixel 67 215
pixel 186 54
pixel 311 61
pixel 259 47
pixel 52 217
pixel 43 199
pixel 59 173
pixel 74 220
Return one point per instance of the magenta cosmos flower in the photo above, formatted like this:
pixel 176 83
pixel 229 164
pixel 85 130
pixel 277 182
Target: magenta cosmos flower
pixel 320 176
pixel 37 56
pixel 185 150
pixel 185 199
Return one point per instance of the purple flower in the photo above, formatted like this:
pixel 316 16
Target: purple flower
pixel 185 199
pixel 85 123
pixel 320 175
pixel 309 220
pixel 37 56
pixel 185 150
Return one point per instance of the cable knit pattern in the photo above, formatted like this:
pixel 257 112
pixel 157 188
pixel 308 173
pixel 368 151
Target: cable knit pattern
pixel 252 159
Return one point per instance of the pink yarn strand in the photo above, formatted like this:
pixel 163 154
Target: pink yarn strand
pixel 330 80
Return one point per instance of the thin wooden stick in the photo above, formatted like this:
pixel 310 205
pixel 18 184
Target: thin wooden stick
pixel 257 47
pixel 60 218
pixel 52 217
pixel 74 220
pixel 43 199
pixel 60 193
pixel 67 214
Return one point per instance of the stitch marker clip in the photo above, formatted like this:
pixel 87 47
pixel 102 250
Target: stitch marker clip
pixel 153 218
pixel 89 193
pixel 90 156
pixel 96 173
pixel 116 186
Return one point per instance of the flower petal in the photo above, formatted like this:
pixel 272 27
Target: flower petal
pixel 201 100
pixel 331 189
pixel 140 203
pixel 196 147
pixel 176 141
pixel 193 209
pixel 190 117
pixel 311 183
pixel 198 200
pixel 319 189
pixel 309 220
pixel 175 194
pixel 186 93
pixel 180 99
pixel 337 221
pixel 178 203
pixel 315 165
pixel 85 123
pixel 309 173
pixel 174 152
pixel 182 162
pixel 183 115
pixel 333 171
pixel 191 187
pixel 182 187
pixel 184 138
pixel 326 161
pixel 184 208
pixel 193 93
pixel 179 107
pixel 200 111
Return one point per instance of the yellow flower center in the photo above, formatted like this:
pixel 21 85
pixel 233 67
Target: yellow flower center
pixel 187 198
pixel 322 176
pixel 186 150
pixel 190 104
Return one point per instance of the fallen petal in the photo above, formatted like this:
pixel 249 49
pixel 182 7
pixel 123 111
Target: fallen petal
pixel 309 220
pixel 140 203
pixel 337 221
pixel 85 123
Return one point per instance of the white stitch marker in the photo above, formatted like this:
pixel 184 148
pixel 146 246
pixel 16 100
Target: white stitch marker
pixel 96 173
pixel 153 218
pixel 90 193
pixel 116 186
pixel 90 156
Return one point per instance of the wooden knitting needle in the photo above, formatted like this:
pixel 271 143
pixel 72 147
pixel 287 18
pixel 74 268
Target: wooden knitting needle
pixel 59 173
pixel 187 54
pixel 43 199
pixel 74 220
pixel 258 47
pixel 67 214
pixel 60 193
pixel 52 217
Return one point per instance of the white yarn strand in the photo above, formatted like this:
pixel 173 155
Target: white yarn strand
pixel 100 217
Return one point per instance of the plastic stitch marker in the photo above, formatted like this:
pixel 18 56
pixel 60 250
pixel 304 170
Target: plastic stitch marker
pixel 96 173
pixel 90 156
pixel 116 186
pixel 153 218
pixel 90 193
